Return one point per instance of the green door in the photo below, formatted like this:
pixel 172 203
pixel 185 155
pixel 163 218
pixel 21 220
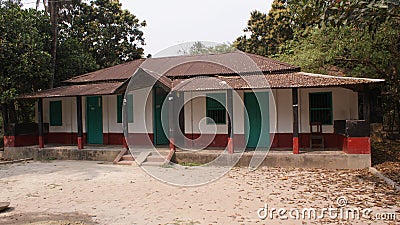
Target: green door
pixel 160 138
pixel 94 120
pixel 257 119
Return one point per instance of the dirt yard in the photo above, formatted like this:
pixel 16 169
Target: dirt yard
pixel 81 192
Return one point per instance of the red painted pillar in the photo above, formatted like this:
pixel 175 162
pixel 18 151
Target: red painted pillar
pixel 295 100
pixel 79 121
pixel 229 107
pixel 40 123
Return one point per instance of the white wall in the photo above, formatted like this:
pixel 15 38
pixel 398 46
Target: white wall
pixel 345 106
pixel 284 108
pixel 198 114
pixel 143 119
pixel 142 113
pixel 69 124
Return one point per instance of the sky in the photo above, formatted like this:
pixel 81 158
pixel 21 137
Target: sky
pixel 174 22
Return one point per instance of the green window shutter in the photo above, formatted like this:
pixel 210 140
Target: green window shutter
pixel 129 99
pixel 215 107
pixel 321 108
pixel 55 113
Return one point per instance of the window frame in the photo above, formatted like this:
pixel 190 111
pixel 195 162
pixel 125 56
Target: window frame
pixel 56 117
pixel 211 97
pixel 330 108
pixel 120 99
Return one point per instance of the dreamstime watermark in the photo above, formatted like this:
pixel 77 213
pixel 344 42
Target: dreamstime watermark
pixel 341 212
pixel 163 88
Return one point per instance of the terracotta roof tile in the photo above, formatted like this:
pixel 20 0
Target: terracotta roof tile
pixel 197 73
pixel 288 80
pixel 77 90
pixel 197 65
pixel 119 72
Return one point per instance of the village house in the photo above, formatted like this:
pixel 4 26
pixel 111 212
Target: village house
pixel 277 106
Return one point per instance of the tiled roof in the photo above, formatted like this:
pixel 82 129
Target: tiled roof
pixel 236 70
pixel 216 64
pixel 184 66
pixel 287 80
pixel 77 90
pixel 119 72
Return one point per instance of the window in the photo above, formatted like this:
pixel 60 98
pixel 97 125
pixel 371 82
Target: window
pixel 55 113
pixel 215 108
pixel 129 99
pixel 321 108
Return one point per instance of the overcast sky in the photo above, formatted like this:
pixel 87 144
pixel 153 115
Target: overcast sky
pixel 173 22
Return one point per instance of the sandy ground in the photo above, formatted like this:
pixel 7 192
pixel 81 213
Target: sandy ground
pixel 80 192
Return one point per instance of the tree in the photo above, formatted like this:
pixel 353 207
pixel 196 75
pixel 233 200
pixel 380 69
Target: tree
pixel 362 14
pixel 353 52
pixel 52 8
pixel 24 57
pixel 72 60
pixel 267 32
pixel 109 33
pixel 200 48
pixel 257 28
pixel 356 37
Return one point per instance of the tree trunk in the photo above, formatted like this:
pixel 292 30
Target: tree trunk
pixel 53 8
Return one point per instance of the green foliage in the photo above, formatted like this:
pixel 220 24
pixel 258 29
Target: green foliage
pixel 73 60
pixel 199 48
pixel 362 14
pixel 106 31
pixel 352 52
pixel 190 164
pixel 24 57
pixel 91 35
pixel 265 33
pixel 352 38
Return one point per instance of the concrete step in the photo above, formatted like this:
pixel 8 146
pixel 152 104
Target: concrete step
pixel 155 158
pixel 142 157
pixel 125 163
pixel 153 164
pixel 127 158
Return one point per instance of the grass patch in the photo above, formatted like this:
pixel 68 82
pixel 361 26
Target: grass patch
pixel 190 164
pixel 51 158
pixel 167 165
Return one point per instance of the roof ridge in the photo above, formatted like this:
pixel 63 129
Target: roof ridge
pixel 101 70
pixel 181 56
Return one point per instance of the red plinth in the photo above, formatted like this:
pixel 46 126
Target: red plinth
pixel 357 145
pixel 41 142
pixel 296 145
pixel 230 145
pixel 80 143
